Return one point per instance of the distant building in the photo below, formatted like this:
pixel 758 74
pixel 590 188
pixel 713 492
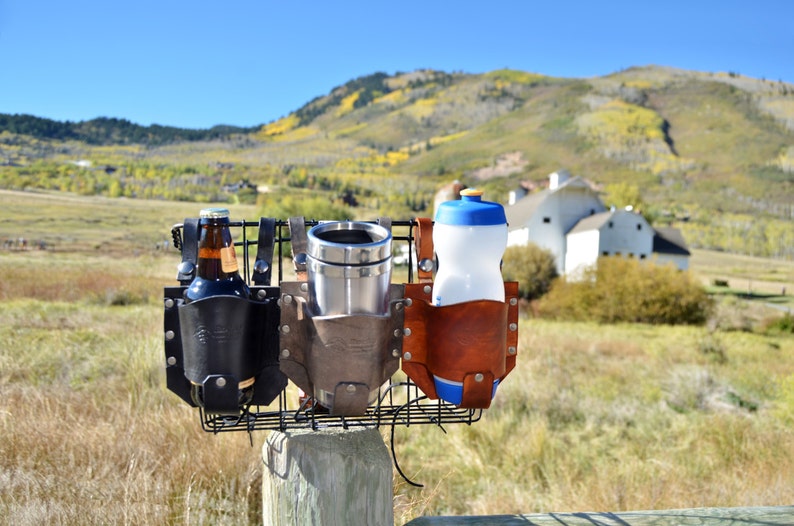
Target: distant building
pixel 449 192
pixel 569 219
pixel 233 188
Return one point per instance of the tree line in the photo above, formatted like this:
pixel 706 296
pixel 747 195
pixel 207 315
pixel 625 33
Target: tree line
pixel 111 131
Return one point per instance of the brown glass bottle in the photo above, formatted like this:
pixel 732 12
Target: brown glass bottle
pixel 217 274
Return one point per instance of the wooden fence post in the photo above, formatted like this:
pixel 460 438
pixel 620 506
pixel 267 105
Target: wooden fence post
pixel 762 516
pixel 328 477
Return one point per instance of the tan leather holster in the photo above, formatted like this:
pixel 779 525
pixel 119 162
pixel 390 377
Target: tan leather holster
pixel 349 356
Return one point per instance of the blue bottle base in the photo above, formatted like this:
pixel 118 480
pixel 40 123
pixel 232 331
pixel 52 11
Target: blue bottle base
pixel 452 392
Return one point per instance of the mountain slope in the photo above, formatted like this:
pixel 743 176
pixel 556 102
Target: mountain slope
pixel 652 124
pixel 717 148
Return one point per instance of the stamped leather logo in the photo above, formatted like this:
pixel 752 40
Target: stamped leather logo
pixel 217 334
pixel 348 345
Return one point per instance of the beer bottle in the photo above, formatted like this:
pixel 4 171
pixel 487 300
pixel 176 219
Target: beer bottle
pixel 217 274
pixel 216 271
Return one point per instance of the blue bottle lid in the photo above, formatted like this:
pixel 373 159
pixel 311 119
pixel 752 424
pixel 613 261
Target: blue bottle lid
pixel 471 210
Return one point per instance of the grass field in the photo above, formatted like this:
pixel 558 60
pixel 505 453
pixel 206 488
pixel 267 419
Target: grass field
pixel 593 418
pixel 767 280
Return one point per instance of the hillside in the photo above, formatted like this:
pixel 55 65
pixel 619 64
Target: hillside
pixel 107 131
pixel 714 149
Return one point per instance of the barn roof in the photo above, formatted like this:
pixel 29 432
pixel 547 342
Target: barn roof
pixel 669 240
pixel 519 214
pixel 593 222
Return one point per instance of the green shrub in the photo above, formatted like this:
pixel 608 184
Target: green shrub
pixel 626 290
pixel 310 206
pixel 781 325
pixel 533 267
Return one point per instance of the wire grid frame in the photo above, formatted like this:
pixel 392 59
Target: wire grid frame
pixel 399 402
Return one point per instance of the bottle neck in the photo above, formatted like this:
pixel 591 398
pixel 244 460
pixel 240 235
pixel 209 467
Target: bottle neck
pixel 216 255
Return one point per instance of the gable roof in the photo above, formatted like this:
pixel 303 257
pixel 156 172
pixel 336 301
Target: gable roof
pixel 573 182
pixel 593 222
pixel 669 240
pixel 519 214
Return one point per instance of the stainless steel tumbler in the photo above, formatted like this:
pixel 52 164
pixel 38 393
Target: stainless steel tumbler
pixel 349 272
pixel 349 268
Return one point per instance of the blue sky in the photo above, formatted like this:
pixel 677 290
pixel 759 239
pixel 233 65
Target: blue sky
pixel 246 62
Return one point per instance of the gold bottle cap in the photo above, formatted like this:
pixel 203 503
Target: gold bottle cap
pixel 213 213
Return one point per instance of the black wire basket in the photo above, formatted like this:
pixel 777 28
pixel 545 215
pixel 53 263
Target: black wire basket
pixel 399 402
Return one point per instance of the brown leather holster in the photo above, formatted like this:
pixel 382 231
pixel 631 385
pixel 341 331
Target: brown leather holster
pixel 347 355
pixel 474 342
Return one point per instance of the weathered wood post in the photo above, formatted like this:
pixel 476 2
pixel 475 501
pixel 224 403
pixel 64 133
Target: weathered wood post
pixel 328 477
pixel 761 516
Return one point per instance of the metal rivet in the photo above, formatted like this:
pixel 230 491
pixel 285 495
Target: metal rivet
pixel 169 335
pixel 169 303
pixel 287 299
pixel 186 267
pixel 397 333
pixel 398 306
pixel 220 382
pixel 261 294
pixel 428 289
pixel 285 353
pixel 408 302
pixel 171 360
pixel 513 301
pixel 285 329
pixel 350 388
pixel 426 265
pixel 260 267
pixel 407 356
pixel 407 331
pixel 395 353
pixel 511 350
pixel 478 377
pixel 513 326
pixel 304 287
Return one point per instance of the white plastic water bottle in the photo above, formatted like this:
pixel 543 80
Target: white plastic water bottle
pixel 469 238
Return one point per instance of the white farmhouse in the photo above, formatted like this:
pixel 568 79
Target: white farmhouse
pixel 569 219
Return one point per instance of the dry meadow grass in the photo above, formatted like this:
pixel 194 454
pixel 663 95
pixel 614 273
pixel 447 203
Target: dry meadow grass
pixel 90 434
pixel 594 417
pixel 610 418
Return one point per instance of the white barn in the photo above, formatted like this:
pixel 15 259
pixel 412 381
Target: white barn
pixel 569 219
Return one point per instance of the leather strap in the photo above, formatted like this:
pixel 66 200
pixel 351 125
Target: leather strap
pixel 187 269
pixel 263 266
pixel 299 242
pixel 511 298
pixel 423 239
